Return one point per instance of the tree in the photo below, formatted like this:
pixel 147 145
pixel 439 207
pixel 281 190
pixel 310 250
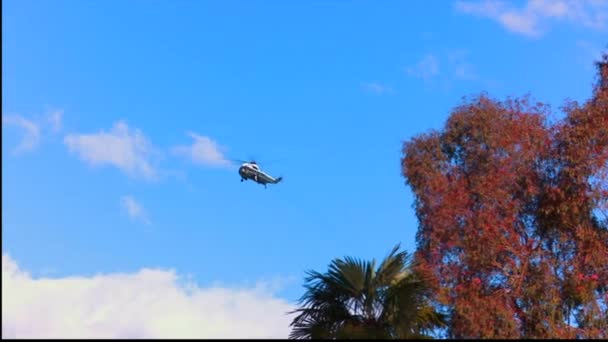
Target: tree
pixel 356 300
pixel 513 232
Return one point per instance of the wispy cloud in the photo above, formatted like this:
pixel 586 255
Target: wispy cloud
pixel 126 149
pixel 55 120
pixel 134 209
pixel 203 151
pixel 377 88
pixel 533 19
pixel 426 68
pixel 459 66
pixel 445 68
pixel 150 303
pixel 31 134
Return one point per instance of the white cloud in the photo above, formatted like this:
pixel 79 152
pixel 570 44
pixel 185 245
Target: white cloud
pixel 203 151
pixel 532 20
pixel 459 66
pixel 454 67
pixel 135 210
pixel 31 136
pixel 33 129
pixel 426 68
pixel 377 88
pixel 55 118
pixel 488 8
pixel 148 304
pixel 126 149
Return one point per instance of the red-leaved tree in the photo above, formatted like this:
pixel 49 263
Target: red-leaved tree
pixel 513 217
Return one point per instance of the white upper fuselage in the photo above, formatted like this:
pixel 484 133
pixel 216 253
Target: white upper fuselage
pixel 251 165
pixel 256 169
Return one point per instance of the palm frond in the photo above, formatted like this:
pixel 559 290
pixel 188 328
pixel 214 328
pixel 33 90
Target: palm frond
pixel 392 267
pixel 349 274
pixel 354 299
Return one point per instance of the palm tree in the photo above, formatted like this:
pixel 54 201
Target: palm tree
pixel 356 300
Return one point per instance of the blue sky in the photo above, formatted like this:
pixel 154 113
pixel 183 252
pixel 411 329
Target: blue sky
pixel 117 114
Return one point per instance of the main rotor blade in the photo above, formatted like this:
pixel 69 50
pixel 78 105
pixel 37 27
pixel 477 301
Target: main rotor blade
pixel 255 161
pixel 238 160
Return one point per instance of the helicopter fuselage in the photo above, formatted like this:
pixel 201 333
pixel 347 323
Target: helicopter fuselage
pixel 252 171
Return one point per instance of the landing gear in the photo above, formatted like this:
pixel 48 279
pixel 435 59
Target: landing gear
pixel 242 180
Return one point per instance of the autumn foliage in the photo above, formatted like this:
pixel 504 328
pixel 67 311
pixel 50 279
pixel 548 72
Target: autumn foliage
pixel 513 220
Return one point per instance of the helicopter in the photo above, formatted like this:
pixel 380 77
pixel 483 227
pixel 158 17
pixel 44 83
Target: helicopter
pixel 251 170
